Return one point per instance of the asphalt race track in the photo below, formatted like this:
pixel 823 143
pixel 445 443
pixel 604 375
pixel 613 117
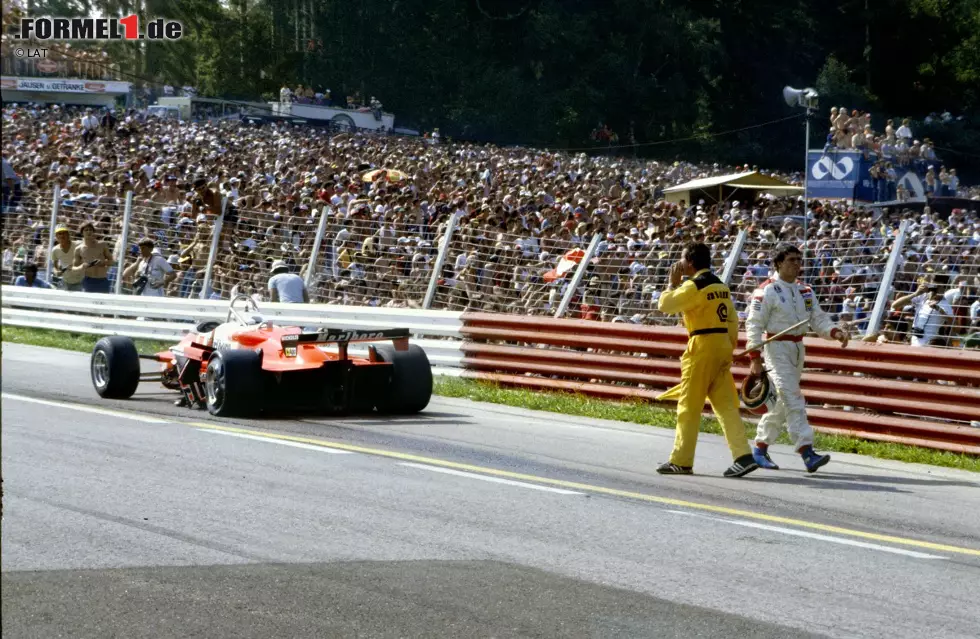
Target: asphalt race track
pixel 139 519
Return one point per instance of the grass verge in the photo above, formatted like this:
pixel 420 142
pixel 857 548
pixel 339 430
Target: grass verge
pixel 642 413
pixel 81 342
pixel 565 403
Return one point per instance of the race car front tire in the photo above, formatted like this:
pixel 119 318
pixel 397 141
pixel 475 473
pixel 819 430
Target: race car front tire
pixel 234 383
pixel 411 380
pixel 115 367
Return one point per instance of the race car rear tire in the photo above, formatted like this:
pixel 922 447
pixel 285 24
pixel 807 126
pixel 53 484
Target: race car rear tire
pixel 411 381
pixel 234 383
pixel 115 367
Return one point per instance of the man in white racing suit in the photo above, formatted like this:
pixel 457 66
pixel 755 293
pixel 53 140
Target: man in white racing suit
pixel 776 305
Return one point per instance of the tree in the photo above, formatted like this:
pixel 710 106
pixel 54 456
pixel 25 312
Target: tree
pixel 836 87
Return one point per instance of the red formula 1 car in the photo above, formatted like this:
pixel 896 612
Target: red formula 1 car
pixel 247 364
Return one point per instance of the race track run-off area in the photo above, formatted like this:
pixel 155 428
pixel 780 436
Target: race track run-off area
pixel 142 519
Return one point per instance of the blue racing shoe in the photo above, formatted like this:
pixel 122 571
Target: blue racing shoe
pixel 761 457
pixel 812 459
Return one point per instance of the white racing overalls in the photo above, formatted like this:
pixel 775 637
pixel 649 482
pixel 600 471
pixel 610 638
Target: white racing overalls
pixel 776 305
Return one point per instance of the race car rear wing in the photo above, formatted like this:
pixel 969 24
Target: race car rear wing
pixel 344 336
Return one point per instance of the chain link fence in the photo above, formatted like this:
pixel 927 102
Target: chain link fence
pixel 844 273
pixel 356 254
pixel 26 229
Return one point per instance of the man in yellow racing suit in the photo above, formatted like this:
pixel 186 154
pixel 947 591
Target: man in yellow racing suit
pixel 712 326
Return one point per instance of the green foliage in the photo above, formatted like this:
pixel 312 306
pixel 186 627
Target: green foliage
pixel 549 71
pixel 81 342
pixel 836 87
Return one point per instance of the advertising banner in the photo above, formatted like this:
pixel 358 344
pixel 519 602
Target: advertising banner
pixel 847 175
pixel 52 85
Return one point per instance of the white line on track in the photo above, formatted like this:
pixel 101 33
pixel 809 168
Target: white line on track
pixel 82 408
pixel 496 480
pixel 268 440
pixel 810 535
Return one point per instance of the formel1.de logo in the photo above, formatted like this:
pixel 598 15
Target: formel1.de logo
pixel 127 28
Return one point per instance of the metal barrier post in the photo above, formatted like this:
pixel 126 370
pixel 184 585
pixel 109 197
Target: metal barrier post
pixel 55 207
pixel 213 253
pixel 579 274
pixel 732 261
pixel 124 244
pixel 885 288
pixel 321 230
pixel 430 293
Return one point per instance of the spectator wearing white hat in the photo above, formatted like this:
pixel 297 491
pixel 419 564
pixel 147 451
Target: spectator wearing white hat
pixel 285 286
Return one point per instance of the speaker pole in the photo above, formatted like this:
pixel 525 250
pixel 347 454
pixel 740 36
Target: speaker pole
pixel 806 179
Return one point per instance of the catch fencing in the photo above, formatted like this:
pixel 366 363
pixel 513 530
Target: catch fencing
pixel 360 253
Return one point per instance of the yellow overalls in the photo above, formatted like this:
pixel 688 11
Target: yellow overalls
pixel 712 326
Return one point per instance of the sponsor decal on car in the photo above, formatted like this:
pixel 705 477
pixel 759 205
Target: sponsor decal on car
pixel 347 336
pixel 344 335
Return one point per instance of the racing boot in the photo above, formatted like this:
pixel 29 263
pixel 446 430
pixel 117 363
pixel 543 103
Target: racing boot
pixel 812 459
pixel 742 466
pixel 761 456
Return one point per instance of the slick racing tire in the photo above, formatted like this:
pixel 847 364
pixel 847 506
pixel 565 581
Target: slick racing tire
pixel 234 383
pixel 115 367
pixel 411 380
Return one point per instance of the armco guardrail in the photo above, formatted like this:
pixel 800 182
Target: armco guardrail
pixel 879 392
pixel 163 318
pixel 921 396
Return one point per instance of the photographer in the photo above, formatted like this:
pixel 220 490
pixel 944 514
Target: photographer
pixel 932 311
pixel 92 259
pixel 62 258
pixel 155 272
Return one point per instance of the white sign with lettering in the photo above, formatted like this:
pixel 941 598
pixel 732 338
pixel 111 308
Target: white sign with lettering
pixel 64 86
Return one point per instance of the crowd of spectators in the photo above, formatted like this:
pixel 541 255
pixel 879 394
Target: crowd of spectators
pixel 323 97
pixel 895 149
pixel 521 214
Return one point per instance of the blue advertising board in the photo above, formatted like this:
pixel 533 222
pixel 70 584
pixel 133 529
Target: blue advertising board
pixel 847 175
pixel 835 174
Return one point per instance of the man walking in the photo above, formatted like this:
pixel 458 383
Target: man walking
pixel 712 326
pixel 777 305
